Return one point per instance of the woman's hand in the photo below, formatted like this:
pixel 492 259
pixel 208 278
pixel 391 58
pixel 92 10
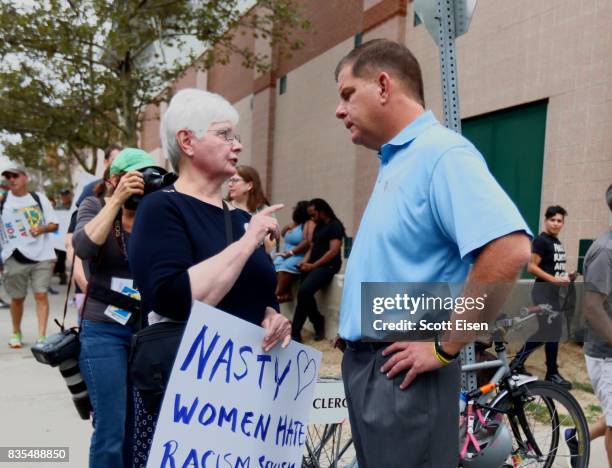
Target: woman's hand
pixel 278 328
pixel 263 223
pixel 573 275
pixel 306 267
pixel 130 184
pixel 562 280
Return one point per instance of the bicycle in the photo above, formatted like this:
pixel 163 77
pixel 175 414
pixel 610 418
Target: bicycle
pixel 526 418
pixel 328 440
pixel 516 418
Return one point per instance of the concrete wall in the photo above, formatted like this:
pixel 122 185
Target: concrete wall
pixel 328 301
pixel 313 155
pixel 523 51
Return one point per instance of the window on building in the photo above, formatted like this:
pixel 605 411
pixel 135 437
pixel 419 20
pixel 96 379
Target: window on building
pixel 358 39
pixel 282 87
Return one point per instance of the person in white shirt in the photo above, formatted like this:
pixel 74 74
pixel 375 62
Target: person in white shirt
pixel 28 219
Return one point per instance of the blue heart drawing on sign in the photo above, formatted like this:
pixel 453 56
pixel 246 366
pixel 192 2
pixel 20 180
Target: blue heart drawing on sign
pixel 310 364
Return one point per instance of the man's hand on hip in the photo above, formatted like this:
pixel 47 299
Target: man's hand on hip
pixel 413 357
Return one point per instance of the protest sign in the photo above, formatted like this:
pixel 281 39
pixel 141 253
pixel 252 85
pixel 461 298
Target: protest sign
pixel 83 178
pixel 59 236
pixel 230 404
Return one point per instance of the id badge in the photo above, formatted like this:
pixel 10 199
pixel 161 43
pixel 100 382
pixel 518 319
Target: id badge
pixel 120 315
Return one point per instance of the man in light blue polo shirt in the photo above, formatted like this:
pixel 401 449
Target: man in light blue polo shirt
pixel 435 212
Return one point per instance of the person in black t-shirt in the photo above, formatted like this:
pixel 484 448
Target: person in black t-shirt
pixel 547 264
pixel 320 265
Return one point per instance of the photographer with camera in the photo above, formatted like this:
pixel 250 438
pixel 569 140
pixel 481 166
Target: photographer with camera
pixel 111 309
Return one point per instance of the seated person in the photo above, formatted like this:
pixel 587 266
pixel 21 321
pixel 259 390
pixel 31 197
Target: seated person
pixel 320 264
pixel 297 236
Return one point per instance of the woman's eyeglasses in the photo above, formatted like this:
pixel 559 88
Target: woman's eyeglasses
pixel 234 180
pixel 227 135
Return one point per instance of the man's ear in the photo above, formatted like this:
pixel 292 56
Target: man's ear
pixel 384 86
pixel 183 139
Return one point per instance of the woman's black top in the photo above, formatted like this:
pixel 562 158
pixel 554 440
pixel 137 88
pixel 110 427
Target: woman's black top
pixel 321 237
pixel 552 253
pixel 171 233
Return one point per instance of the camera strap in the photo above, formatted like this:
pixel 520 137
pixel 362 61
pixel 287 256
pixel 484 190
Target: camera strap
pixel 119 234
pixel 61 325
pixel 108 296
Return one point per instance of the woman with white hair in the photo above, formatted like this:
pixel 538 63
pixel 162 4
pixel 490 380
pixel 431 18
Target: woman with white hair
pixel 184 253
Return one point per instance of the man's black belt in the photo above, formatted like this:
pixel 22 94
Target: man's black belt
pixel 367 346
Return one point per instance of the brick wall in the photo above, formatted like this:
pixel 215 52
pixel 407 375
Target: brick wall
pixel 524 51
pixel 233 81
pixel 333 21
pixel 149 135
pixel 313 154
pixel 515 52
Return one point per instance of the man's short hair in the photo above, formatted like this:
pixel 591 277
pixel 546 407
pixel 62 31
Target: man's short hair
pixel 384 55
pixel 109 149
pixel 555 210
pixel 609 197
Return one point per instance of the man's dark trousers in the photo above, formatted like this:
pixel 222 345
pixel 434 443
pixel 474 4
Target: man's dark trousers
pixel 393 428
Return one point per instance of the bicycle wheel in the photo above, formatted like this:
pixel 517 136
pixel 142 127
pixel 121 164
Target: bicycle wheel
pixel 538 414
pixel 329 446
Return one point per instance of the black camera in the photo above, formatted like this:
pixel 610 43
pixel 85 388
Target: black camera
pixel 62 349
pixel 154 178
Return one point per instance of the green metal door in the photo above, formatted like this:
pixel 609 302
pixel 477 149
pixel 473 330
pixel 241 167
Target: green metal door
pixel 512 142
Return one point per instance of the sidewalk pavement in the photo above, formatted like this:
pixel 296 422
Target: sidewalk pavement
pixel 35 405
pixel 36 408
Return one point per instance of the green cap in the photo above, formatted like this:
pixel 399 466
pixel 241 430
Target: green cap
pixel 131 159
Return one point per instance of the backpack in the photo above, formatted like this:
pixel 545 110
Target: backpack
pixel 34 196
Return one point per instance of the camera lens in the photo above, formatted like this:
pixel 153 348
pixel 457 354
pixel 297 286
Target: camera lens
pixel 154 179
pixel 72 375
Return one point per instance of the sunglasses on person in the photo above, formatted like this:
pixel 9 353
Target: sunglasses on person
pixel 10 175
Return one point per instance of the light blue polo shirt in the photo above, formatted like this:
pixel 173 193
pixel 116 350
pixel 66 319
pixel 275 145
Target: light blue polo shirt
pixel 434 204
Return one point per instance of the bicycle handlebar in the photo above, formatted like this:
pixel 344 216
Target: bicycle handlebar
pixel 526 314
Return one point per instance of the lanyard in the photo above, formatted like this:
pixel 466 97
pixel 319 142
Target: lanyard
pixel 120 236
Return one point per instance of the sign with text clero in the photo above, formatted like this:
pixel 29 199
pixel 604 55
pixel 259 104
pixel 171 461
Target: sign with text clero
pixel 229 403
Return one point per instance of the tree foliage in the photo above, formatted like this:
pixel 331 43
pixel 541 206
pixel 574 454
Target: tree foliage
pixel 78 74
